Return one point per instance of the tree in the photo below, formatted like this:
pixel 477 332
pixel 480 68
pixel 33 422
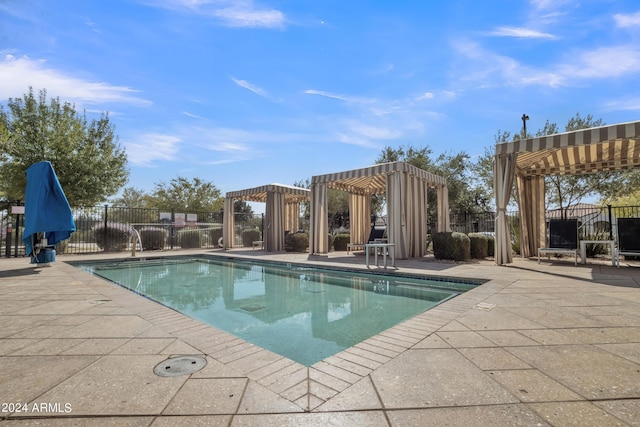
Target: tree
pixel 453 167
pixel 242 211
pixel 86 156
pixel 191 196
pixel 482 173
pixel 337 204
pixel 306 205
pixel 628 194
pixel 132 198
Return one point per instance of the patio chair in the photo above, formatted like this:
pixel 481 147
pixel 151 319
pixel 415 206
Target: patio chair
pixel 628 238
pixel 377 234
pixel 563 238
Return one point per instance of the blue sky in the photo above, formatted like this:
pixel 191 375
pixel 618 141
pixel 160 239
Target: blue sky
pixel 247 93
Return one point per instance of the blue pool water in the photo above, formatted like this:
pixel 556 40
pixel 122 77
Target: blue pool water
pixel 301 312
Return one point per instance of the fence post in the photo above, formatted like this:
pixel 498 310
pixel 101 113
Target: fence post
pixel 465 222
pixel 172 227
pixel 17 231
pixel 106 213
pixel 610 223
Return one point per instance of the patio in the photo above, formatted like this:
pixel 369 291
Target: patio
pixel 548 344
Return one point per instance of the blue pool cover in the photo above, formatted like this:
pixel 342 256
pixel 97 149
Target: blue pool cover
pixel 46 207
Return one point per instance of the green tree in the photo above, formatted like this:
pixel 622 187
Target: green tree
pixel 453 167
pixel 86 156
pixel 305 206
pixel 482 171
pixel 243 211
pixel 193 195
pixel 337 202
pixel 132 197
pixel 628 194
pixel 482 178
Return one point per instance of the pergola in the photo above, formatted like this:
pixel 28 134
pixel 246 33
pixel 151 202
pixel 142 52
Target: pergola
pixel 528 161
pixel 282 212
pixel 405 187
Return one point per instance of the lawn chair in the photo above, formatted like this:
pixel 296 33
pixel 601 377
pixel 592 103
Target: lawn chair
pixel 563 238
pixel 377 234
pixel 628 238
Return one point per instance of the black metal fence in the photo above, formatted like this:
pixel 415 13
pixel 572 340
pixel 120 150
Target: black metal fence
pixel 112 229
pixel 472 222
pixel 108 228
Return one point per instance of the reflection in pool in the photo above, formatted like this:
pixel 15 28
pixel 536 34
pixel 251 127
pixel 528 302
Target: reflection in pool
pixel 301 312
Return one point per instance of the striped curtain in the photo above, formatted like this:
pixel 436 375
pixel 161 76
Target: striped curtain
pixel 396 221
pixel 359 217
pixel 292 217
pixel 318 234
pixel 503 175
pixel 273 233
pixel 531 192
pixel 414 206
pixel 228 224
pixel 444 221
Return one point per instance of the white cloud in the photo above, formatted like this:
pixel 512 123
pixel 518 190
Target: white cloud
pixel 247 17
pixel 253 88
pixel 548 12
pixel 449 94
pixel 549 4
pixel 426 95
pixel 351 99
pixel 624 105
pixel 232 13
pixel 150 147
pixel 627 20
pixel 373 132
pixel 604 62
pixel 229 147
pixel 520 32
pixel 18 74
pixel 193 116
pixel 491 69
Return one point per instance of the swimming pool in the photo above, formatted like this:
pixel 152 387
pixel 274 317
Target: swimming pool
pixel 300 312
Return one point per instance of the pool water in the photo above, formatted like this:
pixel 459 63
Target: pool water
pixel 300 312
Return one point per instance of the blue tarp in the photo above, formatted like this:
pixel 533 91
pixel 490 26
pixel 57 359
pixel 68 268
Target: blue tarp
pixel 46 208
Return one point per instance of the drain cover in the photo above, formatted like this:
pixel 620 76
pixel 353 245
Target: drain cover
pixel 252 308
pixel 177 366
pixel 484 306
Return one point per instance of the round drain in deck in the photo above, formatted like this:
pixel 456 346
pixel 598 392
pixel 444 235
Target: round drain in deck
pixel 177 366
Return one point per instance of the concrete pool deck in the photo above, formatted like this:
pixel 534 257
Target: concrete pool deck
pixel 538 344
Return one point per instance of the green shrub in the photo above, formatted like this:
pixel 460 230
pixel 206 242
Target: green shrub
pixel 595 249
pixel 330 240
pixel 189 238
pixel 478 245
pixel 250 236
pixel 215 235
pixel 61 247
pixel 152 238
pixel 83 236
pixel 451 245
pixel 296 242
pixel 340 241
pixel 112 238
